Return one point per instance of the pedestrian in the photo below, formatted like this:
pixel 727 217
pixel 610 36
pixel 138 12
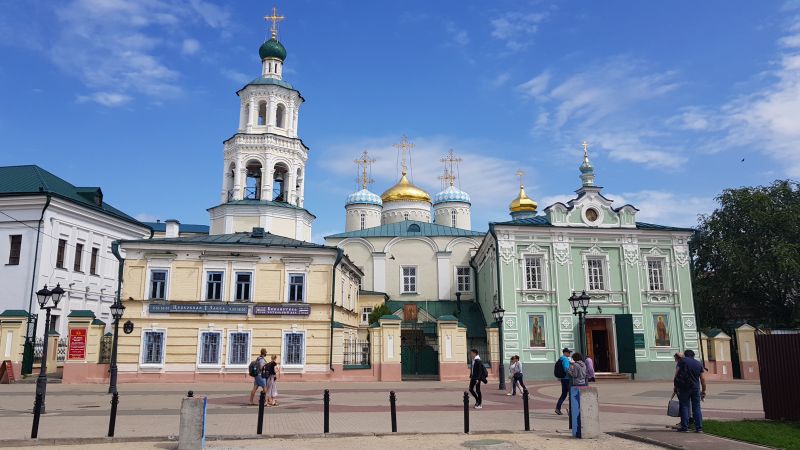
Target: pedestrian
pixel 271 371
pixel 561 372
pixel 589 368
pixel 259 381
pixel 476 377
pixel 516 375
pixel 577 370
pixel 691 387
pixel 678 357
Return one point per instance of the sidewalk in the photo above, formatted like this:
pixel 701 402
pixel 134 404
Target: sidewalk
pixel 668 438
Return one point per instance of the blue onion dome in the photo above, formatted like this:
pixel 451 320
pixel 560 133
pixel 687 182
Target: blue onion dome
pixel 364 197
pixel 451 194
pixel 272 49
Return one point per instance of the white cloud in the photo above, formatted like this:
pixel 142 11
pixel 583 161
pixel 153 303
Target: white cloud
pixel 457 35
pixel 110 99
pixel 630 145
pixel 145 217
pixel 190 46
pixel 500 80
pixel 536 86
pixel 665 208
pixel 236 76
pixel 516 29
pixel 693 119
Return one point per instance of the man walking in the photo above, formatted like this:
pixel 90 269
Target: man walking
pixel 476 376
pixel 691 387
pixel 562 373
pixel 259 380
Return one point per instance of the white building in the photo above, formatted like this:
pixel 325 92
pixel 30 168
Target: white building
pixel 76 228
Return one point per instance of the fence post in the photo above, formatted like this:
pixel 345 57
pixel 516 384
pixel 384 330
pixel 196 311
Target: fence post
pixel 393 407
pixel 466 412
pixel 525 409
pixel 326 410
pixel 262 399
pixel 37 411
pixel 112 422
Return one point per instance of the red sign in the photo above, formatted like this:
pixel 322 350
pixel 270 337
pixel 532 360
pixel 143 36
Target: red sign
pixel 6 372
pixel 77 343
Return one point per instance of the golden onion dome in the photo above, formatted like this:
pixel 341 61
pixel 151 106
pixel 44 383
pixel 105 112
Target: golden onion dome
pixel 404 190
pixel 523 203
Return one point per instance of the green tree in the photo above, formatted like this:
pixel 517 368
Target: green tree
pixel 377 312
pixel 746 257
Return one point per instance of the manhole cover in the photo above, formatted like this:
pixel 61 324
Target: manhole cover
pixel 479 443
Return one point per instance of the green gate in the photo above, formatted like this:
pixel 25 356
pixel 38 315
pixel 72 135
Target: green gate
pixel 419 352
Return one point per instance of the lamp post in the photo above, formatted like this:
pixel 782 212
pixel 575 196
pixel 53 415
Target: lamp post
pixel 44 295
pixel 580 303
pixel 498 313
pixel 117 310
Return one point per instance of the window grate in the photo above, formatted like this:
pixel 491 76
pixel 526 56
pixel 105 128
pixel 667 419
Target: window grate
pixel 293 349
pixel 153 347
pixel 594 267
pixel 240 349
pixel 463 279
pixel 209 350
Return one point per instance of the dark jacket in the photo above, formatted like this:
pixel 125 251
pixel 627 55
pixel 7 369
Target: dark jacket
pixel 477 370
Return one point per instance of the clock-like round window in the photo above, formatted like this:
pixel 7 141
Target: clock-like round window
pixel 591 214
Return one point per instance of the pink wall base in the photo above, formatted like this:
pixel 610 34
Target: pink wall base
pixel 75 373
pixel 749 370
pixel 390 372
pixel 453 371
pixel 715 369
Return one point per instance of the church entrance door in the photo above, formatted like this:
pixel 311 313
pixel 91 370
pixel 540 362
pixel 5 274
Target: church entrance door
pixel 419 352
pixel 600 344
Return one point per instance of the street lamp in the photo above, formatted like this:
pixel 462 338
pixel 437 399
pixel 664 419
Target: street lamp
pixel 117 310
pixel 44 296
pixel 580 303
pixel 498 313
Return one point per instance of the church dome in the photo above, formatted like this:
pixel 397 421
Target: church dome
pixel 272 49
pixel 363 197
pixel 451 194
pixel 404 190
pixel 523 203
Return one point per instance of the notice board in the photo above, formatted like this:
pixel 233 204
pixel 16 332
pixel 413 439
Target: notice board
pixel 77 343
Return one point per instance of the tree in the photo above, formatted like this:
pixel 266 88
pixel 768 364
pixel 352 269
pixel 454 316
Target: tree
pixel 377 312
pixel 746 257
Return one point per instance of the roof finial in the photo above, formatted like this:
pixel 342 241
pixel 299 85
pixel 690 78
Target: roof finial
pixel 587 171
pixel 364 165
pixel 447 178
pixel 274 18
pixel 519 175
pixel 404 147
pixel 450 162
pixel 585 152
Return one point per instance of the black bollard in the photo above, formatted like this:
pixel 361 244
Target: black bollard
pixel 261 401
pixel 393 408
pixel 525 410
pixel 326 410
pixel 37 411
pixel 466 412
pixel 112 421
pixel 190 394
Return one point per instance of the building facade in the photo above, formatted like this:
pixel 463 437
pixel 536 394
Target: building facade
pixel 637 274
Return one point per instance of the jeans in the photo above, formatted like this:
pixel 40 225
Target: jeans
pixel 517 378
pixel 564 393
pixel 686 398
pixel 475 390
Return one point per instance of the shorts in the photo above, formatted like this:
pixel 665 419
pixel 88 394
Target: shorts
pixel 260 381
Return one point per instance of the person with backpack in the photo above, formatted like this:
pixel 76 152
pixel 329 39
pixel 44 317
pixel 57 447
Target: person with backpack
pixel 477 375
pixel 691 388
pixel 255 370
pixel 561 371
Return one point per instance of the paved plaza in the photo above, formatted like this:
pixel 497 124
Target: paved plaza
pixel 151 410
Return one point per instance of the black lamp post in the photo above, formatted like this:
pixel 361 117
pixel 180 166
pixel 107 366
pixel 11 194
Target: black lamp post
pixel 580 303
pixel 498 313
pixel 117 310
pixel 44 296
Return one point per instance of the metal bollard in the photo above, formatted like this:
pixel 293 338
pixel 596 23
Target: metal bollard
pixel 262 399
pixel 190 394
pixel 326 410
pixel 466 412
pixel 525 410
pixel 112 421
pixel 393 408
pixel 37 411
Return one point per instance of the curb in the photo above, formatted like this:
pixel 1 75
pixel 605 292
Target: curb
pixel 644 440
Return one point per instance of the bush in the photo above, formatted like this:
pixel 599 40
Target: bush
pixel 377 312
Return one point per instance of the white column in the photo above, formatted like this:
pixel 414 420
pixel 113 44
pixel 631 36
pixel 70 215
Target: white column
pixel 242 113
pixel 237 181
pixel 379 272
pixel 443 273
pixel 291 192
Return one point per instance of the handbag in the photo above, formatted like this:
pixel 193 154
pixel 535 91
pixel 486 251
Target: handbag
pixel 673 407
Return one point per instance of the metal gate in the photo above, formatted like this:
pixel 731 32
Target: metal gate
pixel 419 351
pixel 778 366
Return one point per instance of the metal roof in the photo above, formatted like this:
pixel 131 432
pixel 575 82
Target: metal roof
pixel 265 203
pixel 542 221
pixel 471 315
pixel 405 228
pixel 234 239
pixel 161 227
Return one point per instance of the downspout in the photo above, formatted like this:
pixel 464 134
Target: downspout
pixel 339 254
pixel 499 296
pixel 115 252
pixel 36 253
pixel 27 353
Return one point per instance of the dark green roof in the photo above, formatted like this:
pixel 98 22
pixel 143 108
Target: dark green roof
pixel 272 49
pixel 98 322
pixel 337 324
pixel 33 180
pixel 161 227
pixel 81 313
pixel 269 81
pixel 405 228
pixel 389 317
pixel 234 239
pixel 447 318
pixel 363 292
pixel 542 221
pixel 470 315
pixel 266 203
pixel 14 313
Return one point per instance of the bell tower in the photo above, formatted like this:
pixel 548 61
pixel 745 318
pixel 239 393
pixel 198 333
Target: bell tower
pixel 264 162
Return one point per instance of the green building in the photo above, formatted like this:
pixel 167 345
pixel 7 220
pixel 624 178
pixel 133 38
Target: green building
pixel 637 275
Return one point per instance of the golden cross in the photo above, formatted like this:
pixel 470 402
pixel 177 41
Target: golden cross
pixel 405 148
pixel 585 149
pixel 519 175
pixel 274 18
pixel 451 164
pixel 364 164
pixel 448 177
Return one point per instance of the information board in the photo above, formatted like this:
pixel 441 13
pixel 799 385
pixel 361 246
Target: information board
pixel 77 343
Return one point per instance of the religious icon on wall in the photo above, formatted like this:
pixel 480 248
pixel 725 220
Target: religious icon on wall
pixel 536 325
pixel 661 322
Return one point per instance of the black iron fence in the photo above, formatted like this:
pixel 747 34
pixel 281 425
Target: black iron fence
pixel 105 349
pixel 482 347
pixel 357 354
pixel 38 348
pixel 61 354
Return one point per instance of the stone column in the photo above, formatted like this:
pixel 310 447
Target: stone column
pixel 379 271
pixel 12 338
pixel 443 274
pixel 748 359
pixel 253 114
pixel 452 349
pixel 389 342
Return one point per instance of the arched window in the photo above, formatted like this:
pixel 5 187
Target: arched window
pixel 262 113
pixel 280 179
pixel 252 189
pixel 405 216
pixel 363 221
pixel 453 218
pixel 413 228
pixel 280 112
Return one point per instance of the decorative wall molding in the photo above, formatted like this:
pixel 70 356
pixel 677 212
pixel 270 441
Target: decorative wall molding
pixel 561 252
pixel 631 253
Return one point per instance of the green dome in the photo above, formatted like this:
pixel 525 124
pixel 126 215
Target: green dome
pixel 272 49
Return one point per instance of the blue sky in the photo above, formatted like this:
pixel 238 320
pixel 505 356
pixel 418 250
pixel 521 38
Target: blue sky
pixel 137 97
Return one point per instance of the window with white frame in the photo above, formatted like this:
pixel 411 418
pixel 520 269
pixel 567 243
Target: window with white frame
pixel 214 285
pixel 210 347
pixel 595 274
pixel 244 282
pixel 365 312
pixel 158 284
pixel 408 283
pixel 655 274
pixel 297 282
pixel 363 221
pixel 293 349
pixel 153 347
pixel 463 279
pixel 533 273
pixel 239 348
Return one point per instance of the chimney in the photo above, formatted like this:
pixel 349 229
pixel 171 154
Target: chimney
pixel 173 228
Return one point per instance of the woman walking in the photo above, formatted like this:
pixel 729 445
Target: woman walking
pixel 577 370
pixel 272 381
pixel 515 368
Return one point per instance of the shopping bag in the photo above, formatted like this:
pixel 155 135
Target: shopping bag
pixel 673 407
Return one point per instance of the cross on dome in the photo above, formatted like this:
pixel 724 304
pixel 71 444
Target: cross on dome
pixel 450 162
pixel 364 164
pixel 274 18
pixel 404 147
pixel 519 175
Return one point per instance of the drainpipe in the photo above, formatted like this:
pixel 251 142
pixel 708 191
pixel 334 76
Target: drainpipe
pixel 339 254
pixel 27 355
pixel 112 387
pixel 501 360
